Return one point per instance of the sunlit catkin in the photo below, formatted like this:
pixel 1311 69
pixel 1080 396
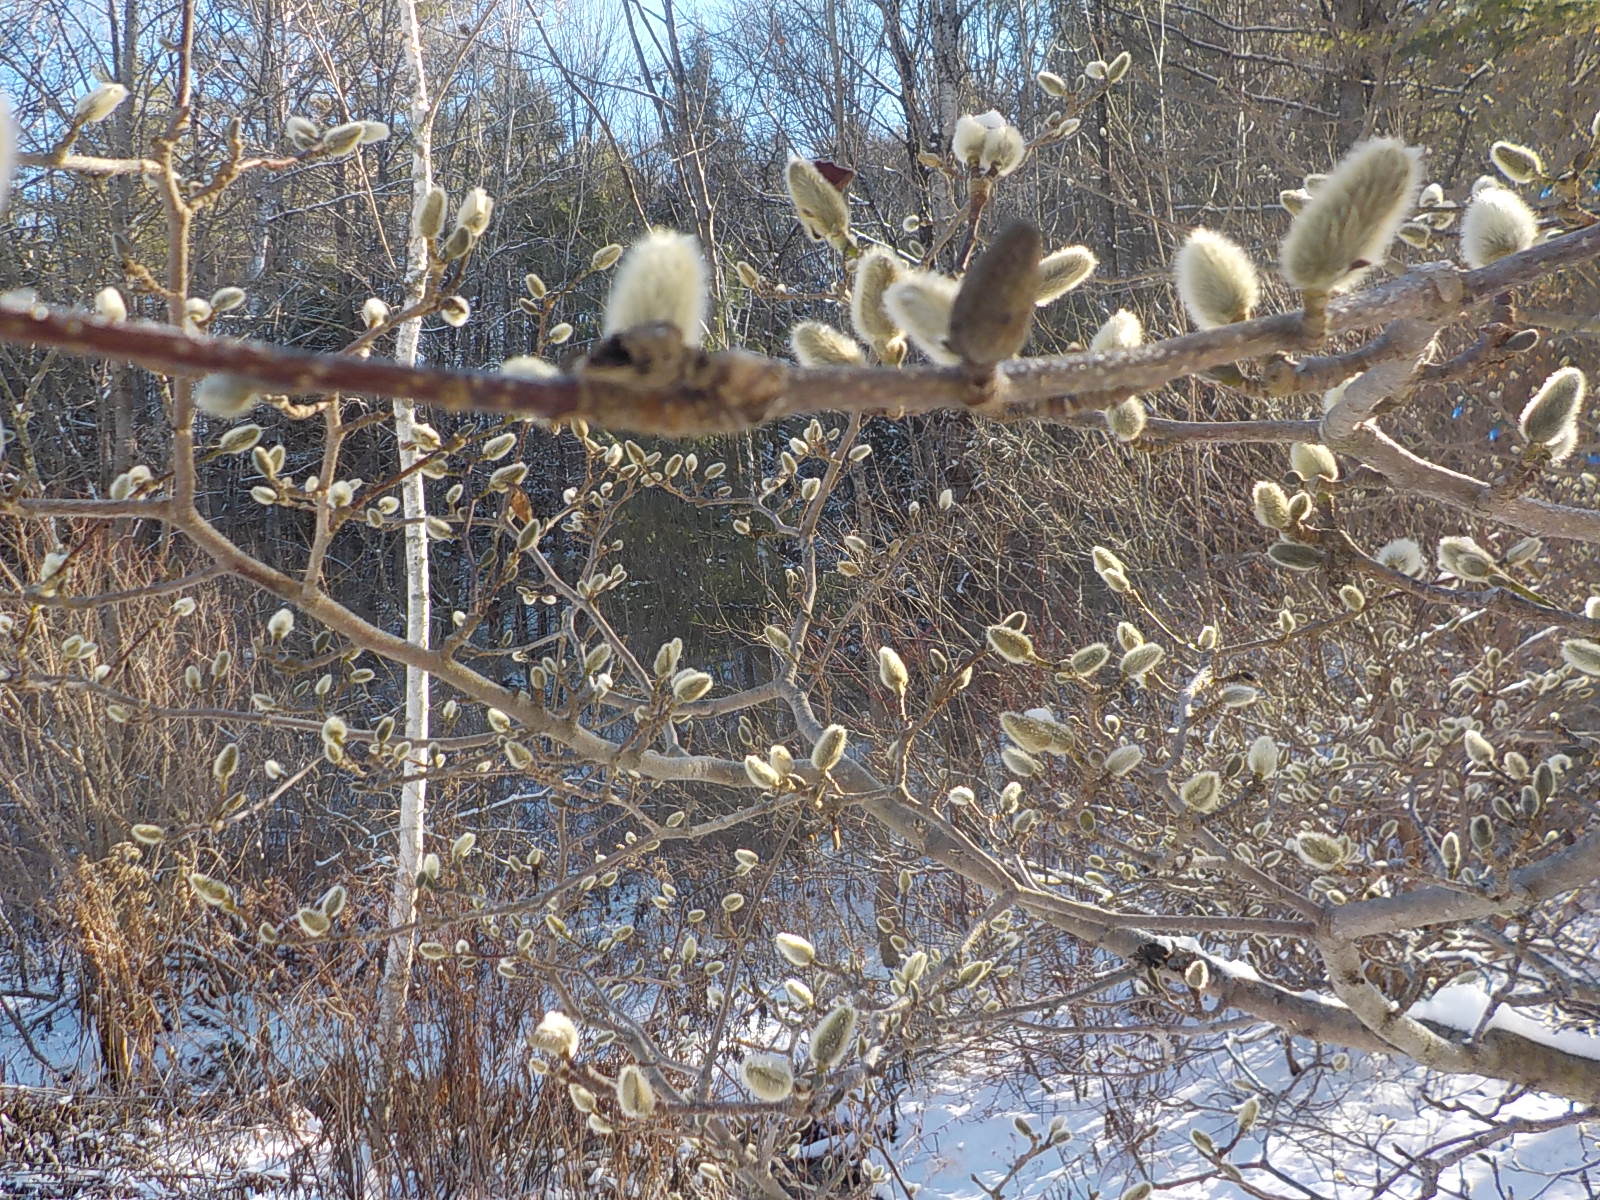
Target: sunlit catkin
pixel 430 217
pixel 833 1037
pixel 876 269
pixel 1262 757
pixel 96 105
pixel 892 671
pixel 920 302
pixel 1127 420
pixel 635 1097
pixel 1497 223
pixel 226 396
pixel 342 139
pixel 987 143
pixel 1551 416
pixel 1517 163
pixel 822 208
pixel 829 748
pixel 1122 331
pixel 1403 554
pixel 1581 654
pixel 1346 227
pixel 1216 280
pixel 1011 644
pixel 1062 270
pixel 770 1077
pixel 796 950
pixel 662 277
pixel 1466 560
pixel 555 1035
pixel 1312 460
pixel 818 345
pixel 1271 504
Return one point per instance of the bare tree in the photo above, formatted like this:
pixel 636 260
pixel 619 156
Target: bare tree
pixel 1062 725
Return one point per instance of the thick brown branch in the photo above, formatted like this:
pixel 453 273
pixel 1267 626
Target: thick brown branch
pixel 734 390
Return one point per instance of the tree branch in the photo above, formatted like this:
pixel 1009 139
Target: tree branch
pixel 734 390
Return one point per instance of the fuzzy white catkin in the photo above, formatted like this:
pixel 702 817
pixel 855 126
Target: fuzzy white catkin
pixel 1062 271
pixel 770 1077
pixel 1497 223
pixel 988 142
pixel 833 1037
pixel 1216 280
pixel 1127 420
pixel 822 208
pixel 662 277
pixel 226 396
pixel 818 345
pixel 100 103
pixel 1551 415
pixel 110 305
pixel 1403 554
pixel 1517 163
pixel 1122 331
pixel 920 303
pixel 635 1097
pixel 556 1034
pixel 875 271
pixel 1352 217
pixel 528 366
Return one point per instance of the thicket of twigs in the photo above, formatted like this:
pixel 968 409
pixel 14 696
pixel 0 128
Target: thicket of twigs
pixel 1112 691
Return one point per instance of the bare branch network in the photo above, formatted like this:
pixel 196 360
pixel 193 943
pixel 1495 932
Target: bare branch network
pixel 1182 796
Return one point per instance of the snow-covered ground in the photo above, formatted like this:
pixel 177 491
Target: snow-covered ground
pixel 1328 1131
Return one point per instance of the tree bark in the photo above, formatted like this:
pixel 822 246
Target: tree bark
pixel 413 794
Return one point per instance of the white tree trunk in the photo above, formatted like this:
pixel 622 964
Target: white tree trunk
pixel 413 795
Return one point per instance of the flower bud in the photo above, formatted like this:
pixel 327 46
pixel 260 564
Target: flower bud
pixel 1062 270
pixel 818 345
pixel 822 208
pixel 829 748
pixel 1550 417
pixel 833 1037
pixel 342 139
pixel 1011 644
pixel 302 134
pixel 109 305
pixel 1216 280
pixel 1346 228
pixel 1517 163
pixel 226 299
pixel 96 105
pixel 920 302
pixel 892 671
pixel 635 1097
pixel 770 1077
pixel 1497 223
pixel 661 278
pixel 430 219
pixel 226 396
pixel 473 213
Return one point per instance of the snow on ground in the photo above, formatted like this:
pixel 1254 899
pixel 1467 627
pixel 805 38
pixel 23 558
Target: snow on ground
pixel 1462 1006
pixel 1320 1130
pixel 1342 1134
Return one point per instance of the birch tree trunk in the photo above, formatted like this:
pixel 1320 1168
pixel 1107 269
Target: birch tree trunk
pixel 413 794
